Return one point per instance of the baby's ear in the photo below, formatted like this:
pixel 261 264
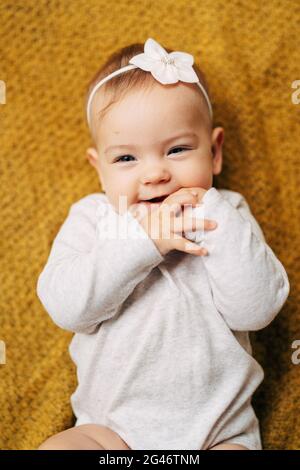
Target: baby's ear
pixel 92 156
pixel 217 152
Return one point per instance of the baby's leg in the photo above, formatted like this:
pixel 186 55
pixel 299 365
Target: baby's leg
pixel 85 437
pixel 229 446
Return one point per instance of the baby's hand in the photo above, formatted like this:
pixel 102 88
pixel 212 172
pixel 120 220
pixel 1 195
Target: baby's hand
pixel 166 223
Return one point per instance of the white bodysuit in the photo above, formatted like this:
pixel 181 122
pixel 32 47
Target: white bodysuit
pixel 162 345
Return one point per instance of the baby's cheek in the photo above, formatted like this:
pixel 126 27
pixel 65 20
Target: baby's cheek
pixel 200 181
pixel 197 174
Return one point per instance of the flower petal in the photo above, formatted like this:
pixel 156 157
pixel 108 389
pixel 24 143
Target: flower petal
pixel 143 62
pixel 165 73
pixel 187 74
pixel 154 50
pixel 182 57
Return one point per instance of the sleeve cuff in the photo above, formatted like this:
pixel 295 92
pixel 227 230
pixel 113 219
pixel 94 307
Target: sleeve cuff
pixel 211 197
pixel 136 231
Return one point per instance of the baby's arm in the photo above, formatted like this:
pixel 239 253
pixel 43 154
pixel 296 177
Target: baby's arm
pixel 249 284
pixel 87 277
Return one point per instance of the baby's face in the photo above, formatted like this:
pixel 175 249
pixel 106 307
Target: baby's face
pixel 155 142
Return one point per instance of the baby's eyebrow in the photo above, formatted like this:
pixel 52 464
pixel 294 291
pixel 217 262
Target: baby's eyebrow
pixel 123 146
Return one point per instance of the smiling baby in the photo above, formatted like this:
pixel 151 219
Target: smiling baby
pixel 161 322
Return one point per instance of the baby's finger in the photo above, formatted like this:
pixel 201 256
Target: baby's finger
pixel 182 244
pixel 188 224
pixel 177 200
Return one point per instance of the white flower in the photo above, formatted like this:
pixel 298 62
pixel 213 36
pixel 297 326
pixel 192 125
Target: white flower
pixel 166 68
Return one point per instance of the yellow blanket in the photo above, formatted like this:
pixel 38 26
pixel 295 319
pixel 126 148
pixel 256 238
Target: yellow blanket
pixel 49 51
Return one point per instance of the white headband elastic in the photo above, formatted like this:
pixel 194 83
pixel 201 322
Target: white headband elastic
pixel 164 67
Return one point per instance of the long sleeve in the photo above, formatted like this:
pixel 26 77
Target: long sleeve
pixel 248 283
pixel 91 269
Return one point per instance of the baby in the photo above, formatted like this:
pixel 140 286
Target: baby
pixel 161 322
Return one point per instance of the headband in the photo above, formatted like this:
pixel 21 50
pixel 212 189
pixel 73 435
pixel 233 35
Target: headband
pixel 165 68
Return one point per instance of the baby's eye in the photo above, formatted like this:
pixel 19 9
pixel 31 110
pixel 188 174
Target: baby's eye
pixel 123 156
pixel 120 159
pixel 178 148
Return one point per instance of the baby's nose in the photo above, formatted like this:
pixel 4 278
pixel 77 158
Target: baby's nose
pixel 156 175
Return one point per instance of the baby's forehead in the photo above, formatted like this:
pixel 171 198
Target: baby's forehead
pixel 160 99
pixel 179 107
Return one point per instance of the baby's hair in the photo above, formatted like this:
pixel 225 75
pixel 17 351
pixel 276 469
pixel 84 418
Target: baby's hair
pixel 117 87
